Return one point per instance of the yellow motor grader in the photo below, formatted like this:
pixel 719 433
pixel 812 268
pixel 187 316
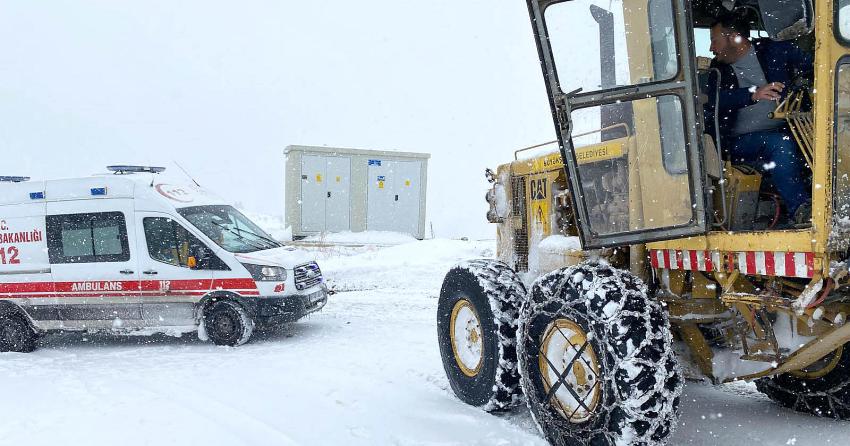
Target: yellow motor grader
pixel 638 245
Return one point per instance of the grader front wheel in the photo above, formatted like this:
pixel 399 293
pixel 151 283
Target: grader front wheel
pixel 596 359
pixel 476 328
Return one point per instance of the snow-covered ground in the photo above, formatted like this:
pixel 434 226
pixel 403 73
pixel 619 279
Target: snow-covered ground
pixel 364 371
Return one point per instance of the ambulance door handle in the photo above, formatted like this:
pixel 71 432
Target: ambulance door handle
pixel 150 272
pixel 396 198
pixel 329 194
pixel 126 271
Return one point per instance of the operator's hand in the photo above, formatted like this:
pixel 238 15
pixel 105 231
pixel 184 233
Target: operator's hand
pixel 769 92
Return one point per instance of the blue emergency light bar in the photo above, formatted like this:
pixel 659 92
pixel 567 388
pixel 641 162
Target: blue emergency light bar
pixel 125 169
pixel 10 179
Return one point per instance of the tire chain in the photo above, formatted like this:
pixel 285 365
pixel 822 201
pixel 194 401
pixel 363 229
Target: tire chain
pixel 652 415
pixel 506 292
pixel 832 403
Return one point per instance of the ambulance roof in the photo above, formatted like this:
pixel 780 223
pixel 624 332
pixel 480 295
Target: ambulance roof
pixel 152 188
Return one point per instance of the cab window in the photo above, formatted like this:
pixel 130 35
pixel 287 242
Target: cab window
pixel 841 177
pixel 843 16
pixel 599 32
pixel 169 242
pixel 87 238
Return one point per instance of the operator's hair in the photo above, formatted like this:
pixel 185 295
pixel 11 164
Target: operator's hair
pixel 733 22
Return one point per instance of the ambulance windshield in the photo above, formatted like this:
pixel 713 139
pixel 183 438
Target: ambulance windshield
pixel 229 228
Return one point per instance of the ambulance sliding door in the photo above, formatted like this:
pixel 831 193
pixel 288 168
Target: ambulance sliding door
pixel 94 269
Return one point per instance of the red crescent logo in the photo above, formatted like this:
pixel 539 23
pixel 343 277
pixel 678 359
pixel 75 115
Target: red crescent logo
pixel 176 193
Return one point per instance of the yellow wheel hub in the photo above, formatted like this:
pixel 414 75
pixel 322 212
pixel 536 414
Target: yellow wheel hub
pixel 568 364
pixel 466 339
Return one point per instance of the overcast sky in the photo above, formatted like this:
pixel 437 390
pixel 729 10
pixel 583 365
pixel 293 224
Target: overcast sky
pixel 223 86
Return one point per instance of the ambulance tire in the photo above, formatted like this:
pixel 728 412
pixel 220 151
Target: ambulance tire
pixel 630 377
pixel 490 294
pixel 16 335
pixel 227 323
pixel 822 393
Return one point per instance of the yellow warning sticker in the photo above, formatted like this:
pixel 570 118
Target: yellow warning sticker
pixel 338 179
pixel 539 202
pixel 541 212
pixel 318 178
pixel 407 183
pixel 380 184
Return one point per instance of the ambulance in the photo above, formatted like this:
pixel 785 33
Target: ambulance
pixel 126 252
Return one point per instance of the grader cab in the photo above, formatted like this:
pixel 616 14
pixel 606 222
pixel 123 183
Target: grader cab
pixel 638 231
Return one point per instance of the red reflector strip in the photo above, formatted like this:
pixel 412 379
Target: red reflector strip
pixel 765 263
pixel 770 263
pixel 790 270
pixel 750 259
pixel 810 264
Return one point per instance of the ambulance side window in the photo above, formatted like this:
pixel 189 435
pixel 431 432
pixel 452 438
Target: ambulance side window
pixel 169 242
pixel 87 238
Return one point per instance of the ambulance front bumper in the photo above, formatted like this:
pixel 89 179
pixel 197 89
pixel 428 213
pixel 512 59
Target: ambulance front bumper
pixel 276 310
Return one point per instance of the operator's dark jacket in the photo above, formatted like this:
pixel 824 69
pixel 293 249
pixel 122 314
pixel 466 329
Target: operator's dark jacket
pixel 780 61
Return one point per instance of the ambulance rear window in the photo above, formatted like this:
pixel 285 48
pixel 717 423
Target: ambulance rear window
pixel 87 238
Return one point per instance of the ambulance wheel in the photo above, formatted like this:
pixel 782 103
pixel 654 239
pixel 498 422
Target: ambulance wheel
pixel 16 334
pixel 476 329
pixel 227 323
pixel 596 359
pixel 821 389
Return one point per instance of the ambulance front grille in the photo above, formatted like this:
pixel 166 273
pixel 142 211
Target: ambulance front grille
pixel 307 275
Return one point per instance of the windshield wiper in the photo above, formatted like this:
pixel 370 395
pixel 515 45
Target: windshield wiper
pixel 253 243
pixel 273 242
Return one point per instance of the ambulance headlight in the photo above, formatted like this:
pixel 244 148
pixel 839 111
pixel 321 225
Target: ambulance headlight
pixel 266 273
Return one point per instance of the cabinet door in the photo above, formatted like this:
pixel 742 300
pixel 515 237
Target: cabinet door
pixel 406 196
pixel 313 193
pixel 338 197
pixel 381 203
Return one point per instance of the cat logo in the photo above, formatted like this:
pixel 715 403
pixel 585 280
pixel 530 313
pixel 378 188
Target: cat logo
pixel 538 189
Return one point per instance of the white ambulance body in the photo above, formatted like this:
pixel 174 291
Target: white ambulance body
pixel 127 253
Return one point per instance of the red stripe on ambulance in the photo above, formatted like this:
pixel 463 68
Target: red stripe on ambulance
pixel 128 288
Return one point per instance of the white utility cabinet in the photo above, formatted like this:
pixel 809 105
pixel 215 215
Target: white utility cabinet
pixel 336 189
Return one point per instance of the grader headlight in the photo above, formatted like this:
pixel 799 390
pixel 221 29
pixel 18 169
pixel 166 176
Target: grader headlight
pixel 497 199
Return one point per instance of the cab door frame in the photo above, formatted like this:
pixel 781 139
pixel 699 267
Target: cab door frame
pixel 683 86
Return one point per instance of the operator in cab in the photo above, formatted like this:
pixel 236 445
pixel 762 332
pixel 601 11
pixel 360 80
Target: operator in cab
pixel 754 78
